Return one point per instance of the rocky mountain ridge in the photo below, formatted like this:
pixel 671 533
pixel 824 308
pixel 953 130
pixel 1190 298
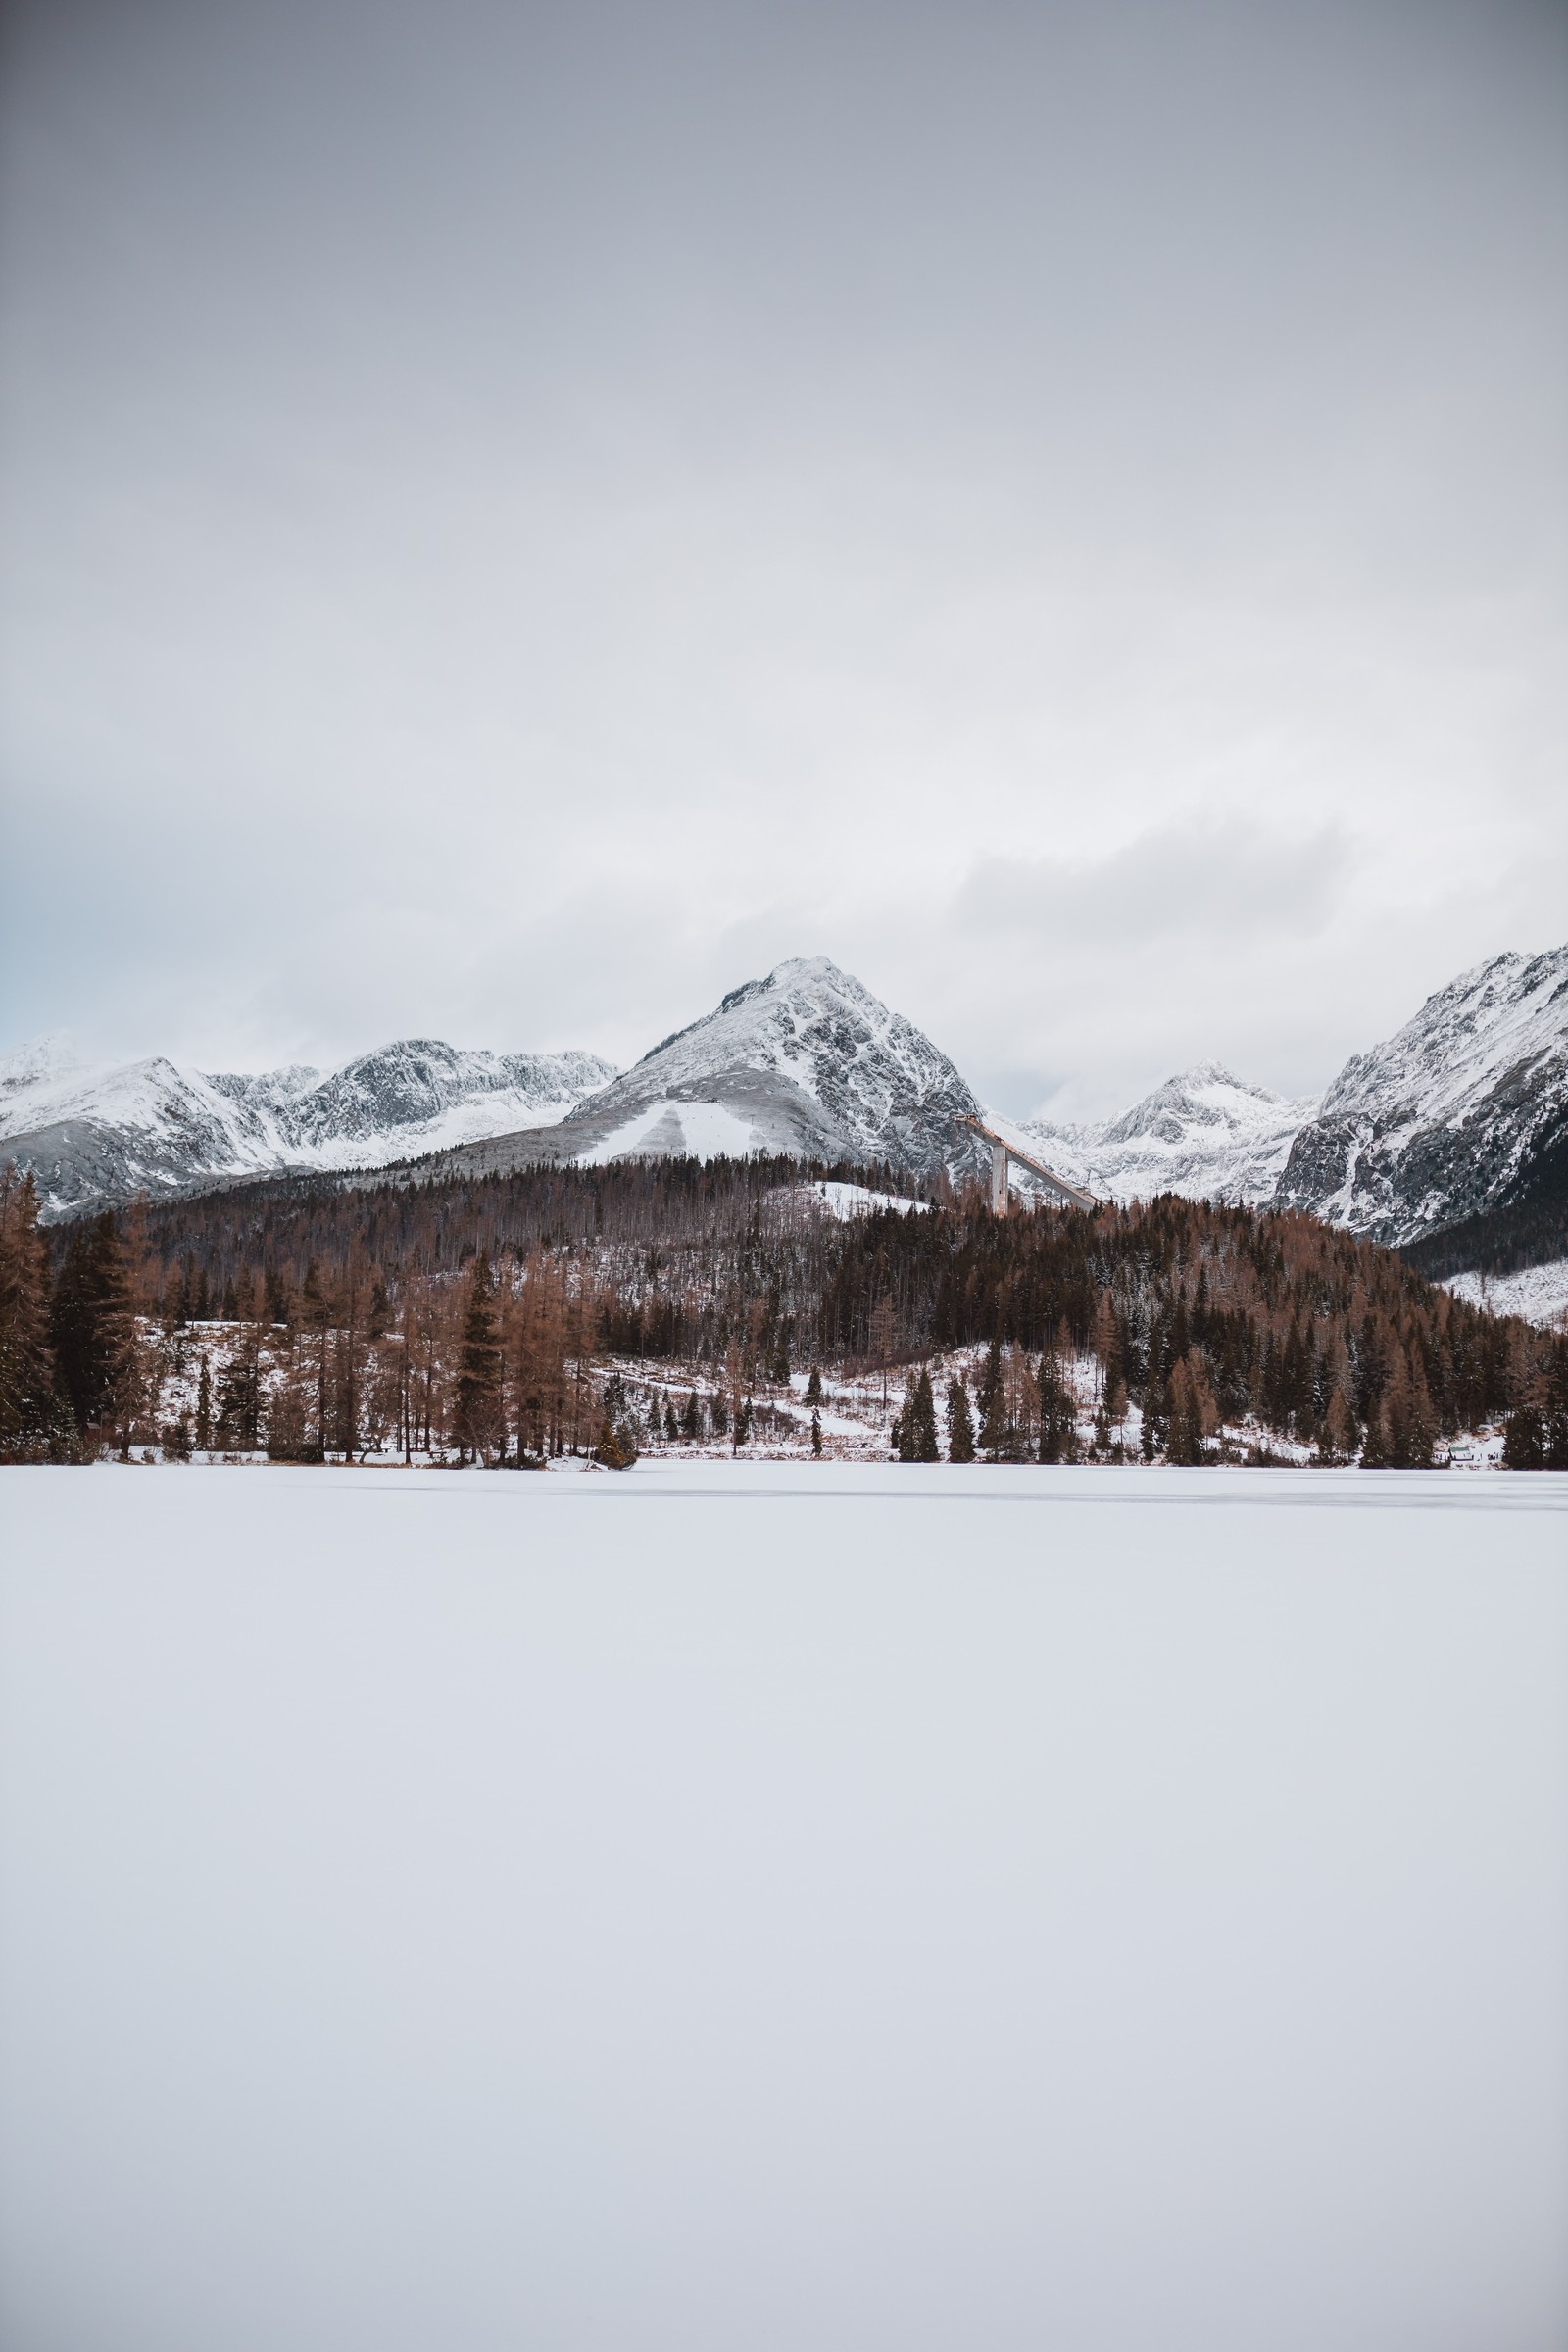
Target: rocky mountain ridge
pixel 1460 1117
pixel 1447 1118
pixel 101 1132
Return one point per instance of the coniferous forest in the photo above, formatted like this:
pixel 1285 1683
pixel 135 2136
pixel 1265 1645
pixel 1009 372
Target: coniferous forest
pixel 508 1318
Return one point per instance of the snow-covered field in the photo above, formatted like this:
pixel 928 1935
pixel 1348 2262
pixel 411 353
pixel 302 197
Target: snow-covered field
pixel 781 1906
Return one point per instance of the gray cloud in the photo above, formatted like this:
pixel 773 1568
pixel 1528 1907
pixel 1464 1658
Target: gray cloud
pixel 1223 881
pixel 510 520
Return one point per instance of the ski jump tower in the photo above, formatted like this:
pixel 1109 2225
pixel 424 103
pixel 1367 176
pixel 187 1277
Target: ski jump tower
pixel 1002 1151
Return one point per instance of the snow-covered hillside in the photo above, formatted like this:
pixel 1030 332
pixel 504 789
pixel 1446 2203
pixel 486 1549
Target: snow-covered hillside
pixel 1203 1133
pixel 1442 1121
pixel 96 1132
pixel 807 1060
pixel 1540 1294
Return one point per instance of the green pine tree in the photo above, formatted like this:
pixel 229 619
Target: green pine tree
pixel 922 1417
pixel 1524 1440
pixel 961 1423
pixel 902 1435
pixel 239 1392
pixel 989 1389
pixel 477 1414
pixel 1057 1417
pixel 93 1329
pixel 1556 1411
pixel 996 1428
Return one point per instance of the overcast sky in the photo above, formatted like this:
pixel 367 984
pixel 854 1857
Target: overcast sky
pixel 515 520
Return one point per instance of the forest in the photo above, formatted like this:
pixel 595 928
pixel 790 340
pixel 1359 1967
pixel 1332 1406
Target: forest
pixel 505 1319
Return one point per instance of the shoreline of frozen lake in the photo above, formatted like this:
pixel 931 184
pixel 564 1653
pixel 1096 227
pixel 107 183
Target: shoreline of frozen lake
pixel 781 1904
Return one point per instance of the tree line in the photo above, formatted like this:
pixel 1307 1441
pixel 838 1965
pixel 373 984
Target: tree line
pixel 475 1313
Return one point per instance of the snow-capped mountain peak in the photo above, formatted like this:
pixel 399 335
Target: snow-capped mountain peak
pixel 805 1060
pixel 49 1057
pixel 1441 1120
pixel 1204 1132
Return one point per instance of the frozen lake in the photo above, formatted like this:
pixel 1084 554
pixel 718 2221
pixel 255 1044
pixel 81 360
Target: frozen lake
pixel 783 1910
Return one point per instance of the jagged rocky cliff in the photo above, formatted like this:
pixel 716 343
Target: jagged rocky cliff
pixel 1445 1119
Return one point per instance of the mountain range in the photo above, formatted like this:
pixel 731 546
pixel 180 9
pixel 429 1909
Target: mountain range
pixel 1451 1124
pixel 102 1132
pixel 1203 1133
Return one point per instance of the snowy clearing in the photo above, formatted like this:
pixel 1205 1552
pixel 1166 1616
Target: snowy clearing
pixel 782 1905
pixel 845 1200
pixel 1540 1294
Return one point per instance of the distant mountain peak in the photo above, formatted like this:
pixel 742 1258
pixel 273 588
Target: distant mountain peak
pixel 45 1056
pixel 1202 1131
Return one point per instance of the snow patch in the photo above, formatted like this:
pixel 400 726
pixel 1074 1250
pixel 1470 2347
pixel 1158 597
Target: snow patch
pixel 675 1130
pixel 847 1200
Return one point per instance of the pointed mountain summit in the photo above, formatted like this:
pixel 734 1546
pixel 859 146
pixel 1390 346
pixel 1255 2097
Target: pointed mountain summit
pixel 806 1061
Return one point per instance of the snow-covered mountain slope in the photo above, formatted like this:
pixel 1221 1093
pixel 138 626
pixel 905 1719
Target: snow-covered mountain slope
pixel 419 1095
pixel 806 1062
pixel 101 1132
pixel 1203 1133
pixel 1442 1120
pixel 95 1132
pixel 1540 1294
